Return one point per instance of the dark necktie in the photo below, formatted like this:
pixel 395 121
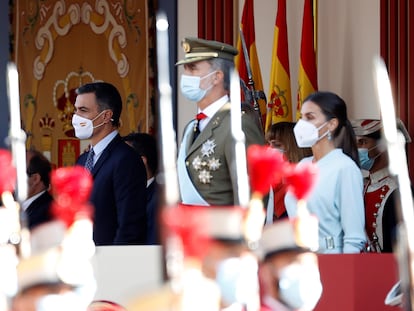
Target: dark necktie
pixel 89 160
pixel 200 116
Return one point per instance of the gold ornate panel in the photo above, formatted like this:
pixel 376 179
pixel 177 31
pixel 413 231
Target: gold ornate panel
pixel 62 44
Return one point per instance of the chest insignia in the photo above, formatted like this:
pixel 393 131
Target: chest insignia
pixel 205 163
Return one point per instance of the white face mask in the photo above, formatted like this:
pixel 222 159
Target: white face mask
pixel 307 134
pixel 83 126
pixel 237 280
pixel 300 286
pixel 190 87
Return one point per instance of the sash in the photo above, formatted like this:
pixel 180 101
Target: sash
pixel 189 194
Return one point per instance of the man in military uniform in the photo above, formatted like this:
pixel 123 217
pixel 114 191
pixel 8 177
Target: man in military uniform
pixel 379 186
pixel 288 273
pixel 207 149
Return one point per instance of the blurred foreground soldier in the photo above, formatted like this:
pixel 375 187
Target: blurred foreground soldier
pixel 51 280
pixel 218 273
pixel 39 200
pixel 289 273
pixel 228 260
pixel 58 275
pixel 380 188
pixel 207 149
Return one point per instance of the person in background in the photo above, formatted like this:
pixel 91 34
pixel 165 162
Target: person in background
pixel 206 155
pixel 146 147
pixel 217 270
pixel 38 202
pixel 119 189
pixel 380 188
pixel 280 136
pixel 337 197
pixel 288 272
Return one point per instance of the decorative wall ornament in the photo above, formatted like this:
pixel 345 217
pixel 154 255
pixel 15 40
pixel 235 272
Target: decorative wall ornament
pixel 62 44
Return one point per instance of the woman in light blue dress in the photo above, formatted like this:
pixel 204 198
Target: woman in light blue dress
pixel 337 198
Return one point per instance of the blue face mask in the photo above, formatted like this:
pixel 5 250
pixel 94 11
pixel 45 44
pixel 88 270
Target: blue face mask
pixel 190 87
pixel 364 160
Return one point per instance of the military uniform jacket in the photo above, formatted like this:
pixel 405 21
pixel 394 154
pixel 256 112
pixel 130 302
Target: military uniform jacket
pixel 380 218
pixel 209 160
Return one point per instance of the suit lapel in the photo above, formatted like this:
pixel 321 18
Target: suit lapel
pixel 106 153
pixel 209 129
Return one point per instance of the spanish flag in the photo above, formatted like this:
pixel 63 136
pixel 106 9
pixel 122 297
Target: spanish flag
pixel 247 26
pixel 307 78
pixel 279 107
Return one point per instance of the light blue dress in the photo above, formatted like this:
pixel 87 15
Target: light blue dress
pixel 337 201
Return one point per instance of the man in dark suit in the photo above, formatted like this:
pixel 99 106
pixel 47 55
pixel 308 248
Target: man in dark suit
pixel 119 191
pixel 146 147
pixel 37 204
pixel 205 172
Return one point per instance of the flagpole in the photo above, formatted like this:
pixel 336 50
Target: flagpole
pixel 17 139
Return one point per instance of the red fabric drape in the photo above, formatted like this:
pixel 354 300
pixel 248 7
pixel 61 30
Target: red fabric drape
pixel 397 39
pixel 215 20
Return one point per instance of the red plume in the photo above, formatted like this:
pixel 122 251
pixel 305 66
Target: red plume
pixel 301 179
pixel 265 167
pixel 7 172
pixel 71 187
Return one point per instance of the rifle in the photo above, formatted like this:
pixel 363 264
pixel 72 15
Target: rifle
pixel 398 167
pixel 17 139
pixel 253 95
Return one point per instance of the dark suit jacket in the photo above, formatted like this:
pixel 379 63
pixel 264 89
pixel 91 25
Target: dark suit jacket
pixel 118 195
pixel 38 211
pixel 152 213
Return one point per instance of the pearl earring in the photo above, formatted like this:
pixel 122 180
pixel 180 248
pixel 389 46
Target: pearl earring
pixel 329 135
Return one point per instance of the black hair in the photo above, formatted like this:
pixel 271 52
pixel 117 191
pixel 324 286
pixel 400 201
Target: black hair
pixel 107 97
pixel 333 106
pixel 39 164
pixel 145 145
pixel 375 135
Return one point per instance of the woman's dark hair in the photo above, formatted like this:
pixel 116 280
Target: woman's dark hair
pixel 333 106
pixel 283 132
pixel 107 97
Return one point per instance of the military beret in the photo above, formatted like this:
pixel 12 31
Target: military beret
pixel 199 49
pixel 52 260
pixel 225 223
pixel 363 127
pixel 286 235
